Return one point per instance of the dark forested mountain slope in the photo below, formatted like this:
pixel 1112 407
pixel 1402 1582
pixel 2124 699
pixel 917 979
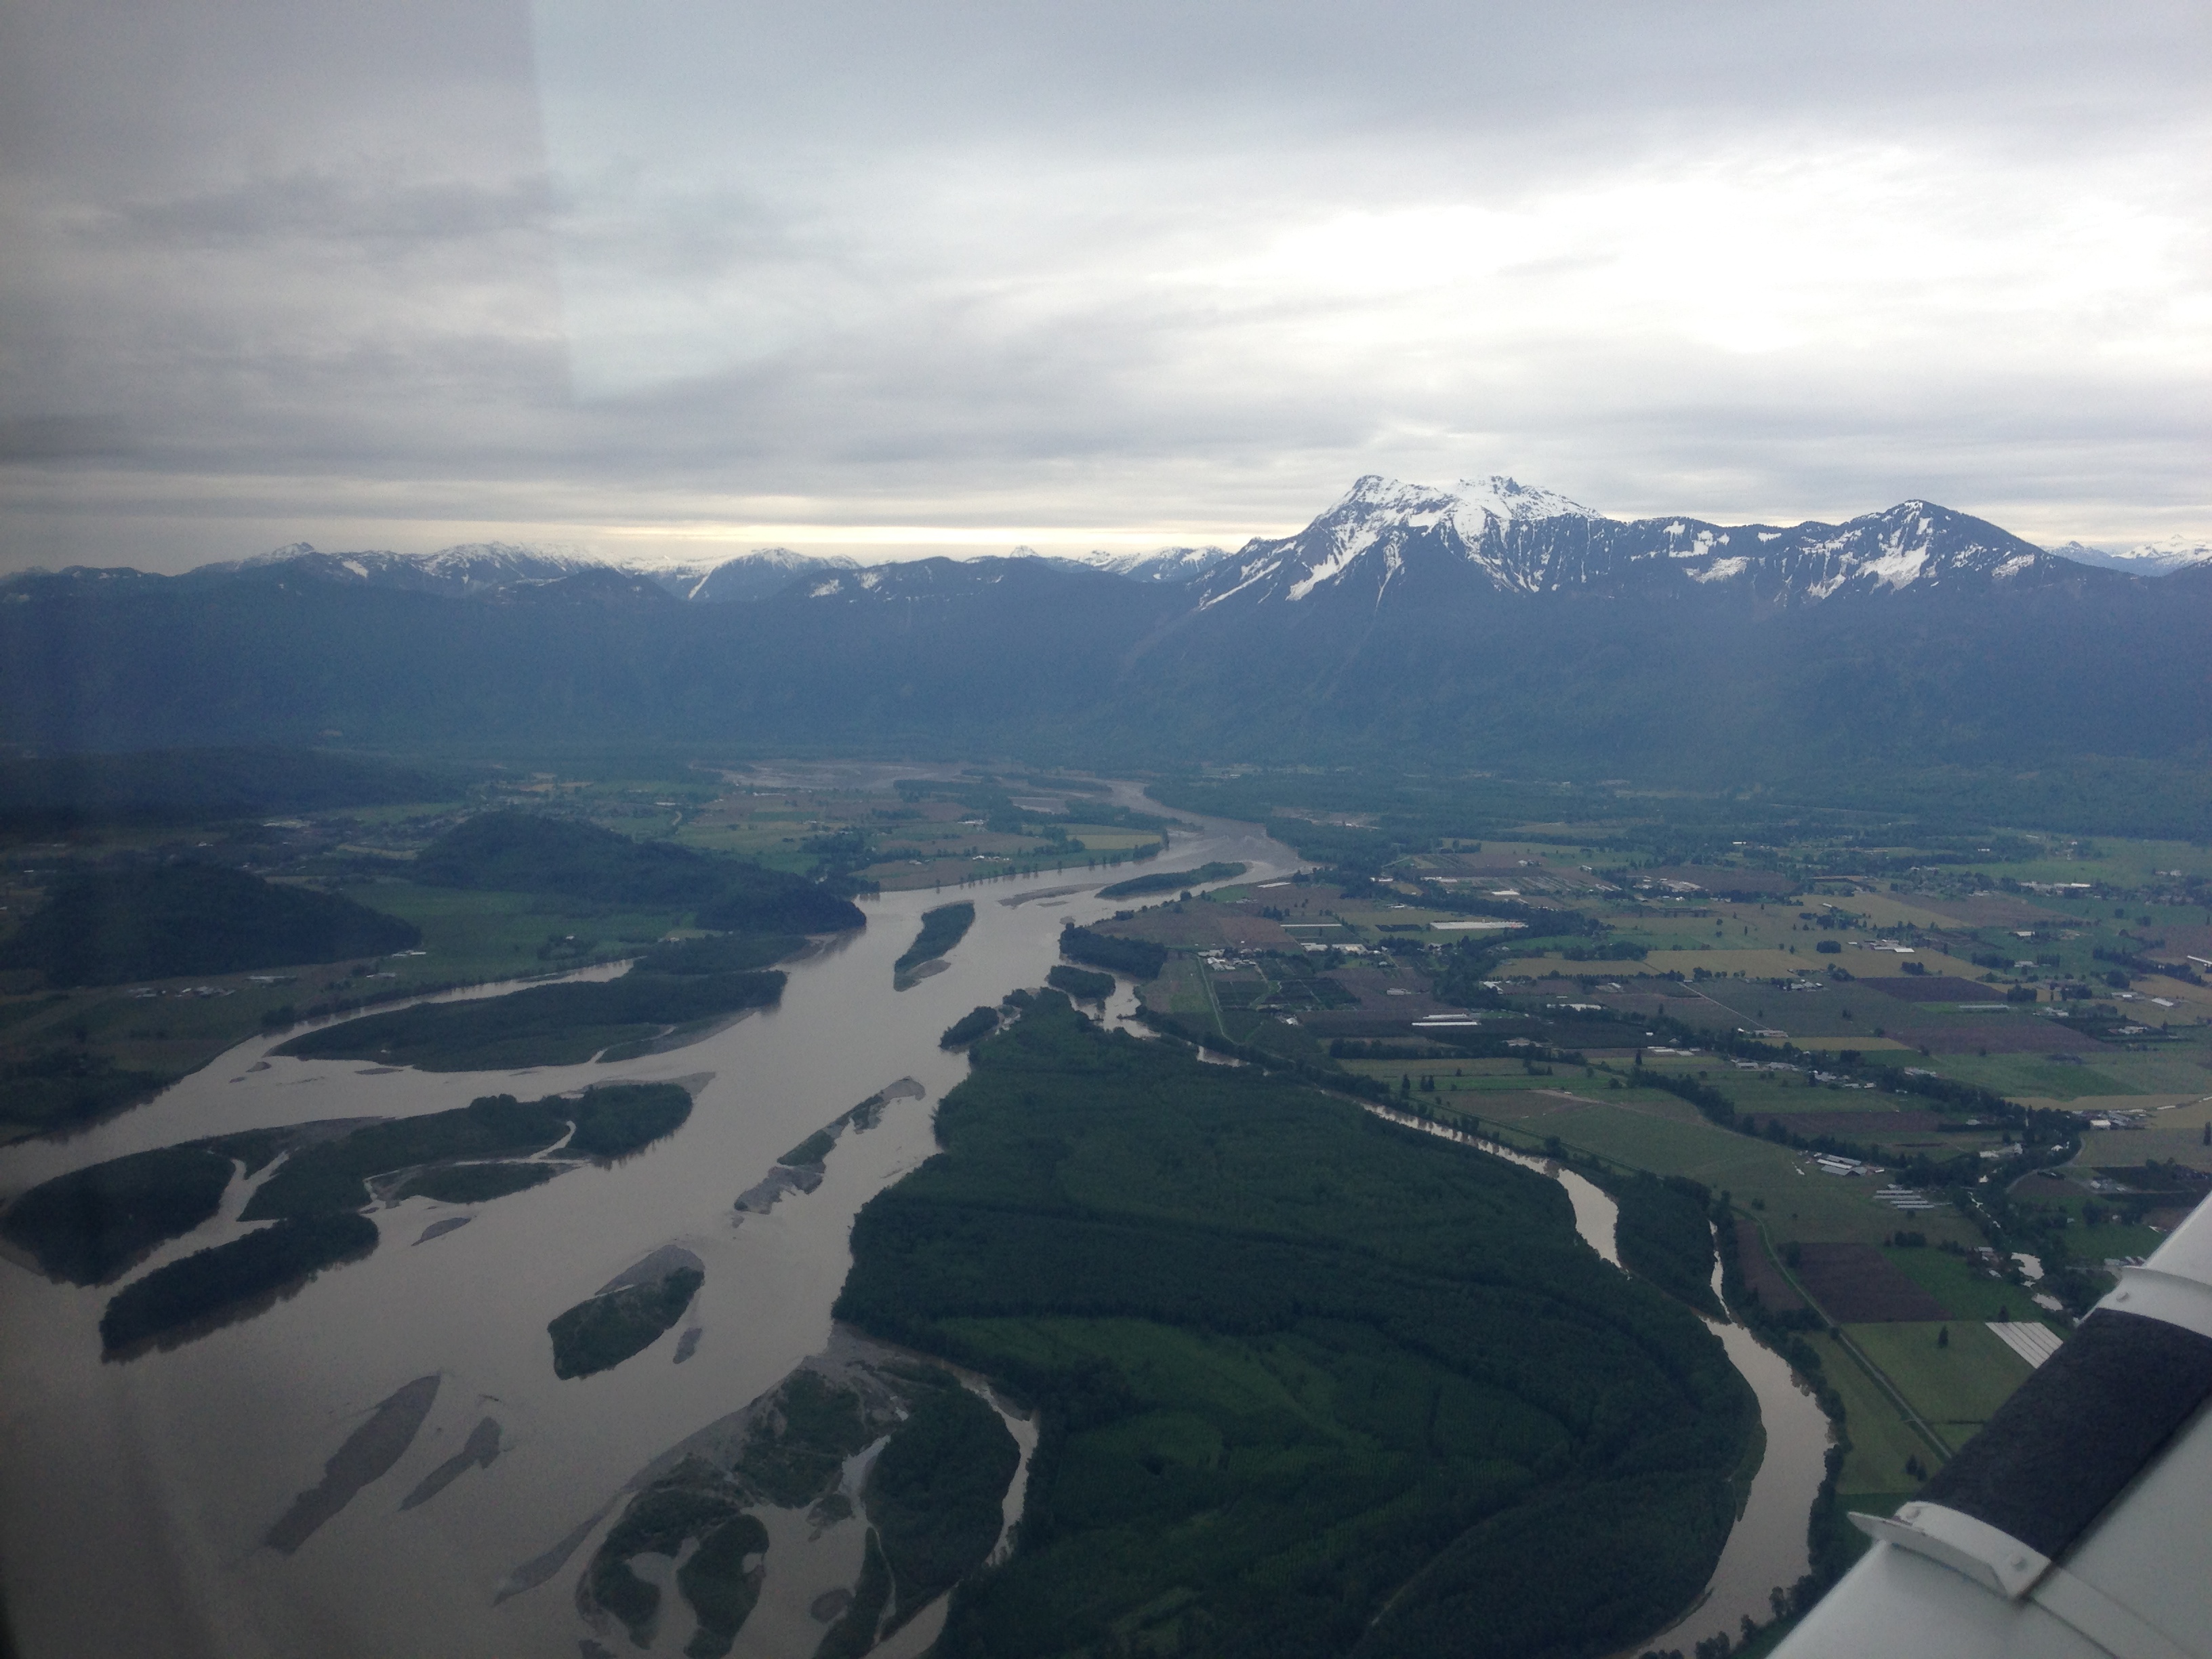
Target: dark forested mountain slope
pixel 1493 625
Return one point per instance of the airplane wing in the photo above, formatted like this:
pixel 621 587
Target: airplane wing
pixel 2078 1524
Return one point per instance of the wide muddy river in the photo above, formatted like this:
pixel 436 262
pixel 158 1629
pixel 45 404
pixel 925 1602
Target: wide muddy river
pixel 135 1497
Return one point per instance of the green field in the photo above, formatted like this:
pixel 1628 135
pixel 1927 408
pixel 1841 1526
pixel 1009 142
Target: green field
pixel 1955 1388
pixel 1182 988
pixel 1812 1208
pixel 491 935
pixel 1952 1281
pixel 1881 1438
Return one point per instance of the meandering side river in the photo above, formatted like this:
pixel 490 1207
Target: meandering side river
pixel 1766 1548
pixel 135 1497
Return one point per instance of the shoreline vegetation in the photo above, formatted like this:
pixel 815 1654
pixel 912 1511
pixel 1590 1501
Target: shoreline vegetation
pixel 971 1027
pixel 1304 1376
pixel 1080 983
pixel 942 928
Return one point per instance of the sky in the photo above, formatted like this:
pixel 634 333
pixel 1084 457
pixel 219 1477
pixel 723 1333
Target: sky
pixel 667 279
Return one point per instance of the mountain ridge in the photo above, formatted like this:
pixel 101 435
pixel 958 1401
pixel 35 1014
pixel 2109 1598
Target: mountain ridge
pixel 1478 539
pixel 1498 537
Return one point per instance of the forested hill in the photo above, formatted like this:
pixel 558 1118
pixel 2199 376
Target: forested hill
pixel 1027 656
pixel 527 853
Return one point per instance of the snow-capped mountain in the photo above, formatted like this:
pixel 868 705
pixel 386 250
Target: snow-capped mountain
pixel 469 567
pixel 1418 543
pixel 1171 565
pixel 948 580
pixel 757 575
pixel 2160 558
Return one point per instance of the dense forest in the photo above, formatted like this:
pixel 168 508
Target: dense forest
pixel 530 853
pixel 1080 983
pixel 90 1224
pixel 211 1285
pixel 1310 1384
pixel 1138 958
pixel 106 927
pixel 1663 1235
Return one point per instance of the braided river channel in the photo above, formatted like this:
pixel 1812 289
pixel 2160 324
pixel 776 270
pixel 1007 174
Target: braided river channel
pixel 136 1498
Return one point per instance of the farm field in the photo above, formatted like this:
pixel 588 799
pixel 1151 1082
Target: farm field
pixel 1956 1386
pixel 1760 1177
pixel 1882 1440
pixel 1964 1294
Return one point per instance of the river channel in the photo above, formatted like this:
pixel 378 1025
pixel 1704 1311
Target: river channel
pixel 134 1497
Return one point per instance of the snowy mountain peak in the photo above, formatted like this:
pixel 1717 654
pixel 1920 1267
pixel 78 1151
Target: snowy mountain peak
pixel 1515 502
pixel 1388 541
pixel 2154 558
pixel 1168 565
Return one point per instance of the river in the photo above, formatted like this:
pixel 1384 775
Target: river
pixel 134 1496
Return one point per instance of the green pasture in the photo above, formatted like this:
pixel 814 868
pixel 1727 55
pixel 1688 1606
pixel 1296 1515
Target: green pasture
pixel 1957 1387
pixel 470 935
pixel 1970 1295
pixel 1881 1438
pixel 1797 1206
pixel 2111 1238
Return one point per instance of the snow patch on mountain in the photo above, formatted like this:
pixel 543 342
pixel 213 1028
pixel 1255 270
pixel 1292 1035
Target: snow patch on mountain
pixel 2161 558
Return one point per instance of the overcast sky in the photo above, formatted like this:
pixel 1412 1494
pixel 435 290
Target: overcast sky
pixel 666 276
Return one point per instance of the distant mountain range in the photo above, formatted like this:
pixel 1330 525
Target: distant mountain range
pixel 1491 623
pixel 2158 558
pixel 1385 542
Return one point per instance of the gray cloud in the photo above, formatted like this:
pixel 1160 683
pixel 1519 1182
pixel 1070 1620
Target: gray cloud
pixel 589 271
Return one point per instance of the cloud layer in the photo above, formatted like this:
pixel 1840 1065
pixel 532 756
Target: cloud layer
pixel 669 275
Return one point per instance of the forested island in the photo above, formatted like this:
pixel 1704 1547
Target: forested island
pixel 1307 1382
pixel 208 1286
pixel 941 929
pixel 561 1024
pixel 91 1224
pixel 611 1122
pixel 601 1331
pixel 1172 881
